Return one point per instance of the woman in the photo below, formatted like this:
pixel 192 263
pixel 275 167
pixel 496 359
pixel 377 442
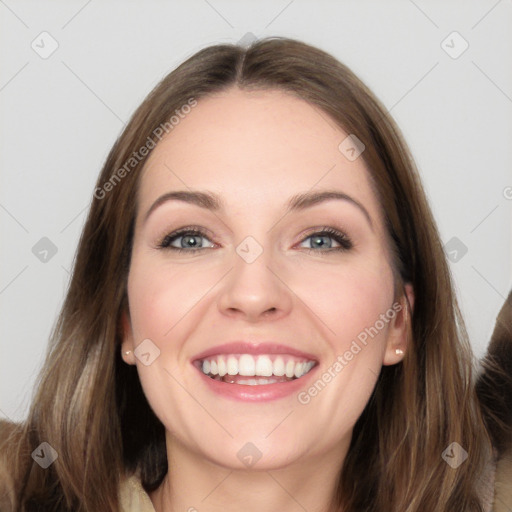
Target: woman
pixel 205 358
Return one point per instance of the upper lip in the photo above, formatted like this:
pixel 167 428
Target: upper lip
pixel 244 347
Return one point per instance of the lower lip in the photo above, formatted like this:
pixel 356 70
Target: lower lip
pixel 259 392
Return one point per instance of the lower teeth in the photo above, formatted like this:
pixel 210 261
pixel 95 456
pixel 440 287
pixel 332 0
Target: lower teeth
pixel 259 381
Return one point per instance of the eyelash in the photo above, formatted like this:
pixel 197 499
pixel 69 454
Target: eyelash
pixel 344 241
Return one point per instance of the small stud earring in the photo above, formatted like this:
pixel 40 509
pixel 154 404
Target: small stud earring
pixel 127 352
pixel 399 352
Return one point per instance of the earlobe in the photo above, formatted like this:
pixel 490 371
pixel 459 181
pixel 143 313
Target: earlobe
pixel 127 345
pixel 400 329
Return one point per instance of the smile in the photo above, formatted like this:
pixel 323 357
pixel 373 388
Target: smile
pixel 264 368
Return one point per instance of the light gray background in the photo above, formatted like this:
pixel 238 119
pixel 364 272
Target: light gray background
pixel 61 115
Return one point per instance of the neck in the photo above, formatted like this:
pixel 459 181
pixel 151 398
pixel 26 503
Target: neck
pixel 196 484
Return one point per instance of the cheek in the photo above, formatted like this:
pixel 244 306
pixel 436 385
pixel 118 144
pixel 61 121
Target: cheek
pixel 159 297
pixel 350 302
pixel 156 309
pixel 349 298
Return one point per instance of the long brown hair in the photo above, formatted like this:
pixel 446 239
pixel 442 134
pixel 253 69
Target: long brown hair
pixel 89 405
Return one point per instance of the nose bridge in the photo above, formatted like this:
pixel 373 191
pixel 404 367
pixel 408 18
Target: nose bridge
pixel 252 287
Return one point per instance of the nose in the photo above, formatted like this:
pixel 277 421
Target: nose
pixel 256 290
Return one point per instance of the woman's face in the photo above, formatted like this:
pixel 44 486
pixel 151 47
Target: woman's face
pixel 263 277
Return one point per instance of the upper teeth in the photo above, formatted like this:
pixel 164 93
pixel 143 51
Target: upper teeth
pixel 263 365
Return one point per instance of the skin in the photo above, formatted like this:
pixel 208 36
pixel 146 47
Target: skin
pixel 255 150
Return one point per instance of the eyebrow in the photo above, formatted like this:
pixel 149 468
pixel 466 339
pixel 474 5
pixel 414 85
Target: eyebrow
pixel 298 202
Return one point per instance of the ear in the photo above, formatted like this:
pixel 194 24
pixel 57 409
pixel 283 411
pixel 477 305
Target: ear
pixel 127 342
pixel 399 328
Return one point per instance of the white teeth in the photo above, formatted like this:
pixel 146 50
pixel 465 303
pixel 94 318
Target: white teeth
pixel 254 382
pixel 290 369
pixel 221 365
pixel 264 366
pixel 279 369
pixel 246 365
pixel 232 365
pixel 307 366
pixel 261 366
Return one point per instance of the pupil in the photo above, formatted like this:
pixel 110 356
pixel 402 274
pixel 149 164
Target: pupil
pixel 190 241
pixel 319 239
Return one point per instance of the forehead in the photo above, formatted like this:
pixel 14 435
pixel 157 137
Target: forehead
pixel 254 147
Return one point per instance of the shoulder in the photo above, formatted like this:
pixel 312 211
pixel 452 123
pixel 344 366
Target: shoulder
pixel 133 497
pixel 495 484
pixel 503 483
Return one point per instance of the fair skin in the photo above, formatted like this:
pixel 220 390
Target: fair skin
pixel 255 150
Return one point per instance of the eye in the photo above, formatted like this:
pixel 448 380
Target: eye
pixel 318 239
pixel 190 239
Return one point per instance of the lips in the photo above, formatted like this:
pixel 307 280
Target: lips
pixel 263 365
